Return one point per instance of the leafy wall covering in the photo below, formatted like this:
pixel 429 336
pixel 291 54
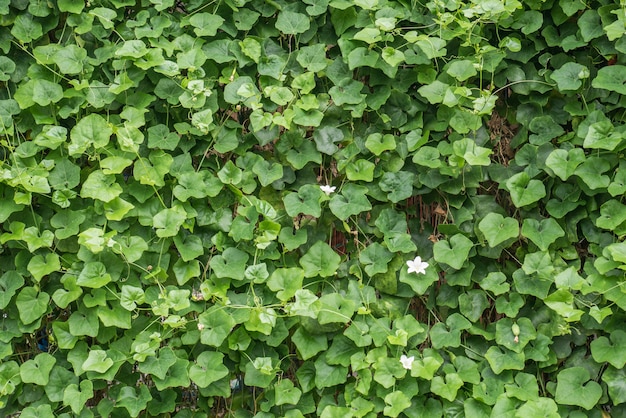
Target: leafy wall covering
pixel 334 208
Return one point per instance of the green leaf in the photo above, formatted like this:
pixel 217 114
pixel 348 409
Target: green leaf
pixel 64 175
pixel 40 266
pixel 472 153
pixel 197 185
pixel 504 359
pixel 542 233
pixel 84 322
pixel 215 325
pixel 168 221
pixel 158 366
pixel 438 92
pixel 292 23
pixel 267 172
pixel 70 59
pixel 208 368
pixel 77 398
pixel 308 344
pixel 564 163
pixel 326 137
pixel 116 209
pixel 461 69
pixel 612 214
pixel 177 375
pixel 131 297
pixel 419 282
pixel 46 92
pixel 396 402
pixel 159 136
pixel 312 58
pixel 611 351
pixel 327 375
pixel 375 258
pixel 378 143
pixel 602 135
pixel 37 370
pixel 347 91
pixel 10 282
pixel 615 380
pixel 99 186
pixel 453 252
pixel 97 361
pixel 335 308
pixel 306 201
pixel 206 24
pixel 230 264
pixel 368 35
pixel 507 331
pixel 569 76
pixel 562 302
pixel 590 25
pixel 612 78
pixel 542 407
pixel 260 372
pixel 134 401
pixel 131 247
pixel 285 282
pixel 473 303
pixel 398 185
pixel 94 274
pixel 525 387
pixel 529 21
pixel 26 29
pixel 544 129
pixel 351 201
pixel 320 260
pixel 590 172
pixel 498 229
pixel 392 56
pixel 428 157
pixel 286 393
pixel 446 387
pixel 92 130
pixel 432 46
pixel 569 279
pixel 60 378
pixel 31 304
pixel 70 6
pixel 524 190
pixel 64 338
pixel 496 283
pixel 574 388
pixel 189 247
pixel 360 170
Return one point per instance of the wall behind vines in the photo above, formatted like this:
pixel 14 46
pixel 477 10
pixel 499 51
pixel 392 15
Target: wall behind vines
pixel 335 208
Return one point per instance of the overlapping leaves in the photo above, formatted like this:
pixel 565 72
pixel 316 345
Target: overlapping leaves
pixel 209 198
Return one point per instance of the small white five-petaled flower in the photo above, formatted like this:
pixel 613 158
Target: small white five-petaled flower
pixel 417 266
pixel 328 189
pixel 407 362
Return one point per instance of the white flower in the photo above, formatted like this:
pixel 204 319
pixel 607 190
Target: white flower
pixel 328 189
pixel 407 362
pixel 417 266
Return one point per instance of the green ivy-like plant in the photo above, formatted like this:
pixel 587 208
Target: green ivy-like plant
pixel 334 208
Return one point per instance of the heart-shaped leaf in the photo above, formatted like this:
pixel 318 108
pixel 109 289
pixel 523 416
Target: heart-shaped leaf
pixel 574 387
pixel 454 251
pixel 497 229
pixel 524 190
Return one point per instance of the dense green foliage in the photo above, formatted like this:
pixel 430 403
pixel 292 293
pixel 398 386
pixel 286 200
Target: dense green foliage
pixel 218 207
